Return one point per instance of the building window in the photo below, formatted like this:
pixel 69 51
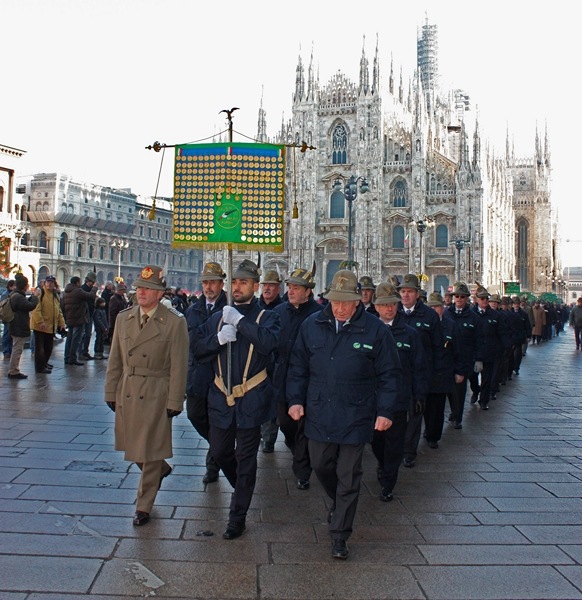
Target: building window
pixel 398 237
pixel 63 243
pixel 101 252
pixel 399 194
pixel 42 242
pixel 522 253
pixel 340 145
pixel 141 230
pixel 442 236
pixel 91 251
pixel 337 205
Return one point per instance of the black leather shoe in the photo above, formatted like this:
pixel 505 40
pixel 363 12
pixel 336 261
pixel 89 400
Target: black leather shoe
pixel 87 357
pixel 233 530
pixel 17 376
pixel 268 448
pixel 433 445
pixel 302 484
pixel 409 463
pixel 210 477
pixel 140 518
pixel 474 397
pixel 386 495
pixel 164 475
pixel 458 425
pixel 76 362
pixel 484 406
pixel 339 549
pixel 44 371
pixel 49 366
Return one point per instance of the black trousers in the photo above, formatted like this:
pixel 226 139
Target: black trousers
pixel 294 432
pixel 339 470
pixel 457 400
pixel 486 381
pixel 197 412
pixel 388 448
pixel 43 348
pixel 235 451
pixel 434 416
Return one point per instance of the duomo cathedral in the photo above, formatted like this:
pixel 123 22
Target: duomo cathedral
pixel 426 195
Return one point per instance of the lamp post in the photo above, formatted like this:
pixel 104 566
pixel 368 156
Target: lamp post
pixel 422 224
pixel 459 245
pixel 350 194
pixel 120 245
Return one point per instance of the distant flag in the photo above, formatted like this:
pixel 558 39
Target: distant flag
pixel 407 237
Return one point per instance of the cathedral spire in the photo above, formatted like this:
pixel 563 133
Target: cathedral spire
pixel 476 142
pixel 376 72
pixel 538 155
pixel 262 122
pixel 400 88
pixel 310 79
pixel 391 80
pixel 547 153
pixel 364 72
pixel 299 81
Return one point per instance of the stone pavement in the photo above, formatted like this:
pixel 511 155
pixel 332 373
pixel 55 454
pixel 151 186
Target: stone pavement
pixel 495 512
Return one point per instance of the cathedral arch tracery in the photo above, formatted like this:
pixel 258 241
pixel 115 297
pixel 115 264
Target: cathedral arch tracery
pixel 339 144
pixel 398 193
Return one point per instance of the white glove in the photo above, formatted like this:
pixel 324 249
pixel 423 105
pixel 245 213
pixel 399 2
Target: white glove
pixel 227 334
pixel 478 366
pixel 231 315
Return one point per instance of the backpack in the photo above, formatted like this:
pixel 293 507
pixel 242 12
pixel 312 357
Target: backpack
pixel 6 310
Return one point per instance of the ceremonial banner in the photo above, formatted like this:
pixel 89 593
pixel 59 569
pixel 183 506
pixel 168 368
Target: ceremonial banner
pixel 229 195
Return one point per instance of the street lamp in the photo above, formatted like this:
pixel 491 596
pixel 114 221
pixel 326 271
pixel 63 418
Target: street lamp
pixel 460 245
pixel 350 194
pixel 422 224
pixel 120 245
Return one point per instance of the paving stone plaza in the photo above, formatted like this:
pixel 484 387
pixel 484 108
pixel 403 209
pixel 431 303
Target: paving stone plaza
pixel 494 513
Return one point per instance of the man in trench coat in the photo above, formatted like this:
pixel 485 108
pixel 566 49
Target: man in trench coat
pixel 146 382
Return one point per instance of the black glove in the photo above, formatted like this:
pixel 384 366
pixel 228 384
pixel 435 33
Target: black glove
pixel 172 413
pixel 111 405
pixel 419 404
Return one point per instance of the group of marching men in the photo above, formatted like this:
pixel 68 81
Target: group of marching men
pixel 368 364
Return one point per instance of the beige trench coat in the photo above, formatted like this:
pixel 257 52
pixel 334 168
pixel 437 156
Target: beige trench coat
pixel 146 374
pixel 540 320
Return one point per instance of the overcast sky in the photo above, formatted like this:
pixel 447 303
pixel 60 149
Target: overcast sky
pixel 87 84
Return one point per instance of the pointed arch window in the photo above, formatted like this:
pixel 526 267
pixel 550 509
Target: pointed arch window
pixel 398 237
pixel 340 145
pixel 399 200
pixel 522 253
pixel 442 236
pixel 42 242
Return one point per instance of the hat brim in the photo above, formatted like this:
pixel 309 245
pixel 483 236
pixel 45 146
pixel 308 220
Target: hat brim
pixel 432 303
pixel 149 285
pixel 387 300
pixel 299 281
pixel 211 278
pixel 338 296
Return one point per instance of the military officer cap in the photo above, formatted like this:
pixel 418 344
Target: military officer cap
pixel 461 289
pixel 410 281
pixel 505 300
pixel 152 278
pixel 247 270
pixel 212 272
pixel 271 277
pixel 366 283
pixel 492 297
pixel 344 287
pixel 301 277
pixel 91 276
pixel 386 293
pixel 481 292
pixel 515 300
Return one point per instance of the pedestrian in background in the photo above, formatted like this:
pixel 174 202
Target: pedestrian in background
pixel 76 313
pixel 145 384
pixel 101 324
pixel 20 324
pixel 45 321
pixel 6 337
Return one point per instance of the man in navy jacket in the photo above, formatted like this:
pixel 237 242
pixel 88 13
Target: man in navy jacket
pixel 344 377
